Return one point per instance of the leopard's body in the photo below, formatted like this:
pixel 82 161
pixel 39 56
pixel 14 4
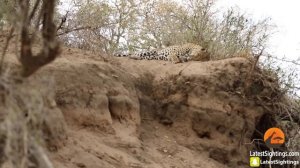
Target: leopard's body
pixel 175 54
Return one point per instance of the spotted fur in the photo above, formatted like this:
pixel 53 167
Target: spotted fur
pixel 175 54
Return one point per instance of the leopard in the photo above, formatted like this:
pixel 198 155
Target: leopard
pixel 174 54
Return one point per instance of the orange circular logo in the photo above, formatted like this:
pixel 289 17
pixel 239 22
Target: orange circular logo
pixel 274 137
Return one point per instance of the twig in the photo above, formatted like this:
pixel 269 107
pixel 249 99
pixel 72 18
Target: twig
pixel 280 59
pixel 72 30
pixel 40 156
pixel 5 48
pixel 253 140
pixel 248 77
pixel 270 165
pixel 63 20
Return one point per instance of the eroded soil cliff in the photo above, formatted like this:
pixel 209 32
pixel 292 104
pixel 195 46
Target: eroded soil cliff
pixel 117 112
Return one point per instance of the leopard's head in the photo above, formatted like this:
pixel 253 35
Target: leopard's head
pixel 199 54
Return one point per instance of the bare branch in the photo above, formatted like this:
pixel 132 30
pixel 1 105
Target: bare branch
pixel 284 60
pixel 50 49
pixel 63 21
pixel 249 75
pixel 73 30
pixel 37 2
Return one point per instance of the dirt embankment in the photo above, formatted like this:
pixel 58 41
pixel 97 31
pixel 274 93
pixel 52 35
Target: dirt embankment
pixel 152 114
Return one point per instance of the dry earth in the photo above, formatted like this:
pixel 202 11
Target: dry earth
pixel 122 113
